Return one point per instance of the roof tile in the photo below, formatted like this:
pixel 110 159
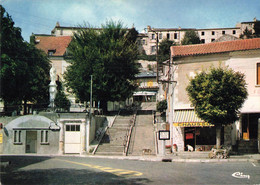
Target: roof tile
pixel 217 47
pixel 59 44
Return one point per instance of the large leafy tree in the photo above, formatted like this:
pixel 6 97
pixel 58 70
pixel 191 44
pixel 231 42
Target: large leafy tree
pixel 164 50
pixel 24 69
pixel 190 37
pixel 217 96
pixel 109 55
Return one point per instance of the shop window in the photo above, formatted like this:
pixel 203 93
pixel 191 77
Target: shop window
pixel 44 137
pixel 258 74
pixel 17 137
pixel 212 40
pixel 203 41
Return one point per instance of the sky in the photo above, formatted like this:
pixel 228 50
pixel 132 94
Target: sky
pixel 40 16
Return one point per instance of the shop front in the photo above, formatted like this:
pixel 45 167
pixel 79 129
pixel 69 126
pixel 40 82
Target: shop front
pixel 190 130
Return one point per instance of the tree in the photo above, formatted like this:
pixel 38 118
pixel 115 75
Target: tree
pixel 161 106
pixel 109 55
pixel 190 37
pixel 164 50
pixel 257 28
pixel 61 101
pixel 24 69
pixel 217 96
pixel 247 34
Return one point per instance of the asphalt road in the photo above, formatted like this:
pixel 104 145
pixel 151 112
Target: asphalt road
pixel 85 170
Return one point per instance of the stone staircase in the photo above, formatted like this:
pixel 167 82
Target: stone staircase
pixel 247 147
pixel 114 139
pixel 142 139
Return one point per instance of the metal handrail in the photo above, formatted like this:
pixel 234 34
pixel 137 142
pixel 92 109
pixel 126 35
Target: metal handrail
pixel 128 135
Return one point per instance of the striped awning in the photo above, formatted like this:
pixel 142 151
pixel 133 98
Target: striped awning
pixel 188 118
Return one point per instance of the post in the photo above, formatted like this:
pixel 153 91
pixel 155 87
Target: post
pixel 91 83
pixel 157 73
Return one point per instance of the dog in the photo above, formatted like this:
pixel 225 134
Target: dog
pixel 190 148
pixel 147 151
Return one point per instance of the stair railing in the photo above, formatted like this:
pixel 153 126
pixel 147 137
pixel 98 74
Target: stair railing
pixel 102 134
pixel 128 134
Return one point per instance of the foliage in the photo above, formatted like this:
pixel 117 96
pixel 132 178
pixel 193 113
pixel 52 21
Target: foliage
pixel 147 57
pixel 190 37
pixel 161 106
pixel 61 101
pixel 218 95
pixel 109 55
pixel 246 34
pixel 257 28
pixel 24 69
pixel 164 50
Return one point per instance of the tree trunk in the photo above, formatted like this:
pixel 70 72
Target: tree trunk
pixel 25 108
pixel 103 106
pixel 218 135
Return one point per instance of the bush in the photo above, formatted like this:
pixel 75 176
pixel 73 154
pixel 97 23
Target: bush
pixel 161 106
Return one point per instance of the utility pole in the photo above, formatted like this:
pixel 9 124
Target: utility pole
pixel 91 84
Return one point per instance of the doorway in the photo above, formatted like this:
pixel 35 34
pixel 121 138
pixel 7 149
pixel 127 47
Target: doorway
pixel 31 142
pixel 189 134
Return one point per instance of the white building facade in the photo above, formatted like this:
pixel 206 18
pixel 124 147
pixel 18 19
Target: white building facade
pixel 186 127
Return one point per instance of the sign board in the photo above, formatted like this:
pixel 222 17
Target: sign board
pixel 164 135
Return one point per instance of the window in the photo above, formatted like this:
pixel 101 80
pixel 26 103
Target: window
pixel 73 128
pixel 153 36
pixel 223 32
pixel 175 35
pixel 51 52
pixel 202 40
pixel 160 36
pixel 17 137
pixel 258 74
pixel 168 36
pixel 213 33
pixel 144 42
pixel 153 49
pixel 44 136
pixel 202 33
pixel 212 40
pixel 234 32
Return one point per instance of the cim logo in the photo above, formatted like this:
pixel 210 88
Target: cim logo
pixel 240 175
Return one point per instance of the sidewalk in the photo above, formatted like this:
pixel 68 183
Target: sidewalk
pixel 186 158
pixel 180 157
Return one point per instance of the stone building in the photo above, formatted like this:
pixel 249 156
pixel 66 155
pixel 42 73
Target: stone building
pixel 148 39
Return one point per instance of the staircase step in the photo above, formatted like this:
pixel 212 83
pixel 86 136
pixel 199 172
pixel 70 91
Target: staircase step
pixel 109 153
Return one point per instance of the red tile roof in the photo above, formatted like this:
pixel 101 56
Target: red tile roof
pixel 59 44
pixel 217 47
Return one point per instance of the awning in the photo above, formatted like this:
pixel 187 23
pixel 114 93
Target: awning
pixel 144 93
pixel 188 118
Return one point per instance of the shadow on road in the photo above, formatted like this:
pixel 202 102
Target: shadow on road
pixel 15 173
pixel 66 176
